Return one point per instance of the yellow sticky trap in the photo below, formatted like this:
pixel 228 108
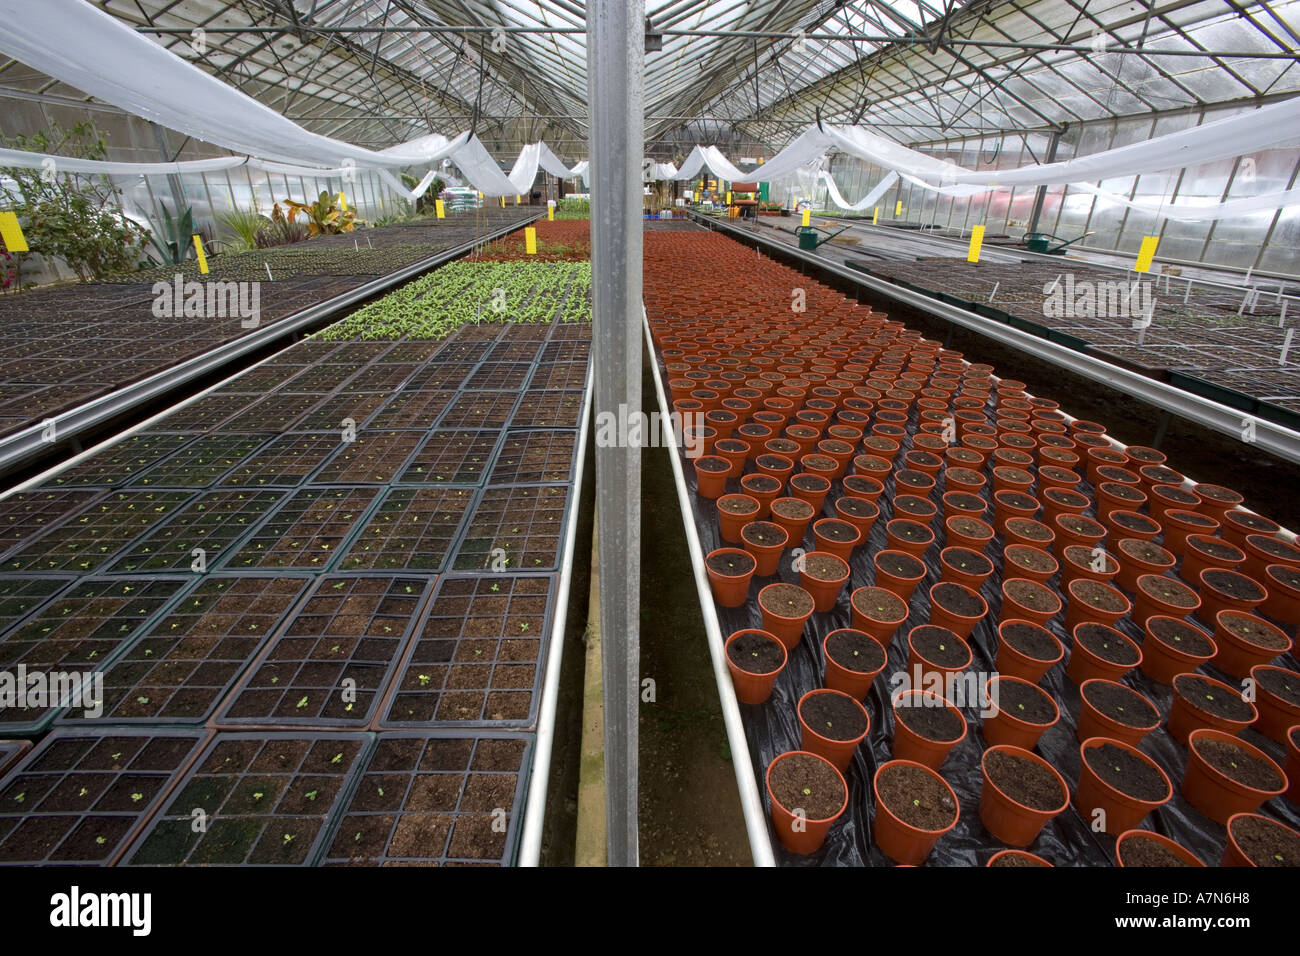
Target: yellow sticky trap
pixel 728 197
pixel 198 251
pixel 503 202
pixel 343 202
pixel 1146 253
pixel 898 208
pixel 807 218
pixel 516 199
pixel 875 217
pixel 550 213
pixel 976 240
pixel 12 233
pixel 530 241
pixel 439 209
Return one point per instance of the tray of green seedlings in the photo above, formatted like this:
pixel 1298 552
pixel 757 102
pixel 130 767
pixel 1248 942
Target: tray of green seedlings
pixel 412 529
pixel 199 533
pixel 307 532
pixel 28 513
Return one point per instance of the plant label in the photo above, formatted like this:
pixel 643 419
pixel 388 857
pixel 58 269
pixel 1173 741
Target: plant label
pixel 199 253
pixel 12 233
pixel 1146 253
pixel 976 240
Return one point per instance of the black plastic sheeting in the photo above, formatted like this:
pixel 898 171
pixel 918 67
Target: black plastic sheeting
pixel 1068 840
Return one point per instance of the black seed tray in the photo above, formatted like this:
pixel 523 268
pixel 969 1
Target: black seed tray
pixel 413 529
pixel 200 463
pixel 116 466
pixel 534 456
pixel 213 521
pixel 515 529
pixel 286 461
pixel 374 456
pixel 308 531
pixel 29 513
pixel 453 457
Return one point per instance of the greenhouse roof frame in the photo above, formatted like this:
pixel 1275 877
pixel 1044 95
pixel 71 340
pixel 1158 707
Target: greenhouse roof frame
pixel 742 73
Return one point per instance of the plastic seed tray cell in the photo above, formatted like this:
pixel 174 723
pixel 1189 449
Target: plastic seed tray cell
pixel 200 463
pixel 264 378
pixel 82 630
pixel 375 455
pixel 445 374
pixel 515 529
pixel 78 796
pixel 381 376
pixel 117 465
pixel 208 412
pixel 476 658
pixel 21 595
pixel 499 375
pixel 264 800
pixel 276 413
pixel 329 415
pixel 549 409
pixel 435 800
pixel 213 522
pixel 480 410
pixel 456 457
pixel 535 456
pixel 352 629
pixel 412 530
pixel 85 542
pixel 323 377
pixel 413 409
pixel 307 532
pixel 284 462
pixel 560 375
pixel 184 664
pixel 28 513
pixel 512 348
pixel 566 351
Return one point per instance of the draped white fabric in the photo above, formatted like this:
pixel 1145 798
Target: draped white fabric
pixel 869 199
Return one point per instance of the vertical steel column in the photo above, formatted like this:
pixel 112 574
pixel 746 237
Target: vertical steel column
pixel 615 106
pixel 173 181
pixel 1041 194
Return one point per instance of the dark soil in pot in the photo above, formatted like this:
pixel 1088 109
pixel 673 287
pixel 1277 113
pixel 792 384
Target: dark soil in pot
pixel 957 600
pixel 713 464
pixel 731 565
pixel 939 646
pixel 1025 781
pixel 755 654
pixel 1029 529
pixel 933 722
pixel 857 508
pixel 1030 559
pixel 1025 702
pixel 1238 763
pixel 1121 704
pixel 1171 592
pixel 1282 683
pixel 1032 595
pixel 1123 492
pixel 1018 500
pixel 786 600
pixel 910 506
pixel 910 530
pixel 837 530
pixel 907 478
pixel 1235 585
pixel 1160 475
pixel 1081 525
pixel 967 526
pixel 1133 521
pixel 834 716
pixel 1211 698
pixel 1103 642
pixel 964 559
pixel 1016 859
pixel 1285 575
pixel 762 533
pixel 807 783
pixel 1142 852
pixel 821 463
pixel 736 506
pixel 1186 637
pixel 855 651
pixel 1098 596
pixel 1143 551
pixel 1215 549
pixel 1178 496
pixel 965 476
pixel 965 500
pixel 773 462
pixel 1066 497
pixel 763 484
pixel 792 509
pixel 823 567
pixel 1126 773
pixel 878 604
pixel 1275 548
pixel 1218 493
pixel 1031 640
pixel 902 565
pixel 916 797
pixel 926 459
pixel 1266 843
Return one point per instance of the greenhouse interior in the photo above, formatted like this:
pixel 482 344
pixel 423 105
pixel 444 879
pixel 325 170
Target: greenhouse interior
pixel 644 433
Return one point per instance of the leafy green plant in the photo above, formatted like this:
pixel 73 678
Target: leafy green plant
pixel 170 236
pixel 76 217
pixel 573 208
pixel 241 227
pixel 425 205
pixel 282 230
pixel 324 216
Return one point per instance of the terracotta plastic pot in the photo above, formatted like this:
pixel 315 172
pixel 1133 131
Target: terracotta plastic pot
pixel 1263 550
pixel 783 623
pixel 897 839
pixel 918 663
pixel 1244 640
pixel 811 488
pixel 1096 723
pixel 1014 609
pixel 753 688
pixel 1008 820
pixel 976 540
pixel 1095 564
pixel 893 572
pixel 762 488
pixel 1087 665
pixel 1213 792
pixel 832 536
pixel 795 527
pixel 765 540
pixel 1014 662
pixel 1018 558
pixel 775 466
pixel 1122 811
pixel 1004 727
pixel 1233 852
pixel 1163 660
pixel 1293 764
pixel 859 512
pixel 734 512
pixel 1129 524
pixel 825 591
pixel 1136 558
pixel 1029 532
pixel 1158 595
pixel 1129 838
pixel 730 590
pixel 1216 500
pixel 735 451
pixel 1185 715
pixel 1282 581
pixel 913 537
pixel 1203 551
pixel 1083 606
pixel 1077 529
pixel 1030 859
pixel 909 745
pixel 873 613
pixel 854 681
pixel 1215 598
pixel 965 567
pixel 1115 496
pixel 1238 525
pixel 797 833
pixel 711 473
pixel 1277 714
pixel 838 752
pixel 941 616
pixel 1178 523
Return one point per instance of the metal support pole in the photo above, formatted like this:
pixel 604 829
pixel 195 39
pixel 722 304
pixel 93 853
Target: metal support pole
pixel 615 103
pixel 173 181
pixel 1040 194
